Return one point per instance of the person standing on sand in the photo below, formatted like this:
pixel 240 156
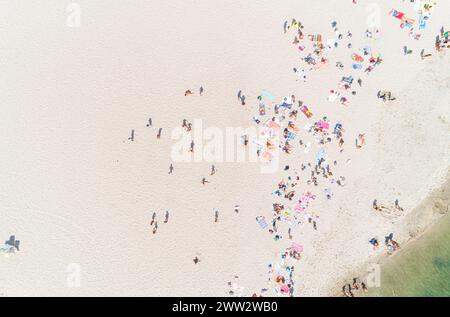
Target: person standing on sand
pixel 131 138
pixel 213 170
pixel 201 91
pixel 397 206
pixel 170 169
pixel 158 136
pixel 364 287
pixel 243 100
pixel 241 97
pixel 192 146
pixel 153 219
pixel 216 216
pixel 375 204
pixel 156 227
pixel 166 217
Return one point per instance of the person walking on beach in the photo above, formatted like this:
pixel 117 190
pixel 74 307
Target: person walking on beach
pixel 149 124
pixel 158 136
pixel 171 169
pixel 131 138
pixel 201 91
pixel 191 149
pixel 156 227
pixel 375 205
pixel 241 97
pixel 364 287
pixel 243 100
pixel 213 170
pixel 153 219
pixel 397 206
pixel 216 216
pixel 166 217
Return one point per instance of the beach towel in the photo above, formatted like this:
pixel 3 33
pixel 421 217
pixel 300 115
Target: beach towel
pixel 291 136
pixel 304 201
pixel 322 125
pixel 306 111
pixel 348 80
pixel 397 14
pixel 261 222
pixel 307 147
pixel 297 247
pixel 268 156
pixel 267 94
pixel 357 58
pixel 321 155
pixel 422 22
pixel 273 125
pixel 284 289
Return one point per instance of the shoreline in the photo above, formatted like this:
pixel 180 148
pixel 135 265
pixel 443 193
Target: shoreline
pixel 433 209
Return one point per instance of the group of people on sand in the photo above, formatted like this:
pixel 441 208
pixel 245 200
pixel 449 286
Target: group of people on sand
pixel 190 93
pixel 391 245
pixel 10 246
pixel 443 40
pixel 385 95
pixel 154 221
pixel 357 286
pixel 378 207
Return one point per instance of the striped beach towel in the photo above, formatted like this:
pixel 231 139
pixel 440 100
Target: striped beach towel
pixel 261 222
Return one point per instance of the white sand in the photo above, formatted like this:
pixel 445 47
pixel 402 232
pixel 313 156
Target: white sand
pixel 74 190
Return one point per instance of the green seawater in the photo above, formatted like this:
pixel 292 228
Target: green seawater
pixel 422 269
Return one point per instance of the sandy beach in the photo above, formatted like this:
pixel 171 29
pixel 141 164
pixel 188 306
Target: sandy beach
pixel 79 192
